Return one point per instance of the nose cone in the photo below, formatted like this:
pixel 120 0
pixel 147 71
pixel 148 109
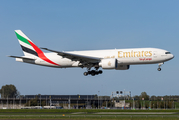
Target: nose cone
pixel 172 56
pixel 169 57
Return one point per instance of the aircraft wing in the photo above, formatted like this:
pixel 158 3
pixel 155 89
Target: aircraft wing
pixel 76 57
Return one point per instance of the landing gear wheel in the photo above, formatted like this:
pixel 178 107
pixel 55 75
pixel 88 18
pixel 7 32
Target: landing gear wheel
pixel 85 73
pixel 96 72
pixel 100 71
pixel 159 69
pixel 89 72
pixel 93 73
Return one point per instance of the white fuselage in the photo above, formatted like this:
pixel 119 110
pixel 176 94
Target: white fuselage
pixel 123 56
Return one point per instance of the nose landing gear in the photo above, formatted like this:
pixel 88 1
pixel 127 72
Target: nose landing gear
pixel 159 65
pixel 159 69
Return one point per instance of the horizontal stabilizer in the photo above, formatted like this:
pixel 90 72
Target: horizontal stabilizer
pixel 26 58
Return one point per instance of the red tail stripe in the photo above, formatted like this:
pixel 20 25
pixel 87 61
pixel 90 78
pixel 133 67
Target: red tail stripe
pixel 41 54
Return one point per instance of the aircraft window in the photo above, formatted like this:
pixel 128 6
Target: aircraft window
pixel 167 53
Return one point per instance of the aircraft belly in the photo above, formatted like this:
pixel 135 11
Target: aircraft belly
pixel 66 63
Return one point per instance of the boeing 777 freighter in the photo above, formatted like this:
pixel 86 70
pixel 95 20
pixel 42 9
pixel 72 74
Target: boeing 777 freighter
pixel 118 59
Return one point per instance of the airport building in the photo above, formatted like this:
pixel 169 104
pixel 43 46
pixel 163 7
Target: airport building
pixel 60 96
pixel 65 101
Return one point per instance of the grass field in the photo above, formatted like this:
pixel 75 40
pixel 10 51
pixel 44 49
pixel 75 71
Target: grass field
pixel 76 110
pixel 87 117
pixel 87 114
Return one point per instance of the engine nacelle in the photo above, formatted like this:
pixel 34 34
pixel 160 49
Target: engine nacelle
pixel 108 63
pixel 112 63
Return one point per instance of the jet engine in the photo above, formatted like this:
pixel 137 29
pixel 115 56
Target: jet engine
pixel 108 63
pixel 112 63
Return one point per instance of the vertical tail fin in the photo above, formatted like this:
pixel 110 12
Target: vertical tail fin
pixel 26 44
pixel 30 49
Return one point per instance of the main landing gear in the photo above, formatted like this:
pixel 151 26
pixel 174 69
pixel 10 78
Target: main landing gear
pixel 93 72
pixel 159 65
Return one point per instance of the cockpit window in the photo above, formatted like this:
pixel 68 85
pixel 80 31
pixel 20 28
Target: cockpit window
pixel 167 52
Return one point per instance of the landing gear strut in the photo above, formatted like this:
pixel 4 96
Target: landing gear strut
pixel 93 72
pixel 159 65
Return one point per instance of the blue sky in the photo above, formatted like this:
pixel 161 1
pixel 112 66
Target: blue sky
pixel 68 25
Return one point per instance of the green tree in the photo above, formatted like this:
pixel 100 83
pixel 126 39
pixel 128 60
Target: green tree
pixel 144 95
pixel 35 102
pixel 32 102
pixel 138 104
pixel 136 97
pixel 9 91
pixel 153 98
pixel 43 103
pixel 110 104
pixel 162 104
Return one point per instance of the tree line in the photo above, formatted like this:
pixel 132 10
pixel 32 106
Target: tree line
pixel 144 96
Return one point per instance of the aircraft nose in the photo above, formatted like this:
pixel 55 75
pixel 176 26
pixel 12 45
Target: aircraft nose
pixel 172 56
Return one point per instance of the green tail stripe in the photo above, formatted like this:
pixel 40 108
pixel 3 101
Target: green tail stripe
pixel 22 39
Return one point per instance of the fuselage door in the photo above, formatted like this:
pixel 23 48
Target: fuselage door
pixel 155 54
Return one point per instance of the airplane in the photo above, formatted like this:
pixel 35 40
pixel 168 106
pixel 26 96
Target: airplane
pixel 118 59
